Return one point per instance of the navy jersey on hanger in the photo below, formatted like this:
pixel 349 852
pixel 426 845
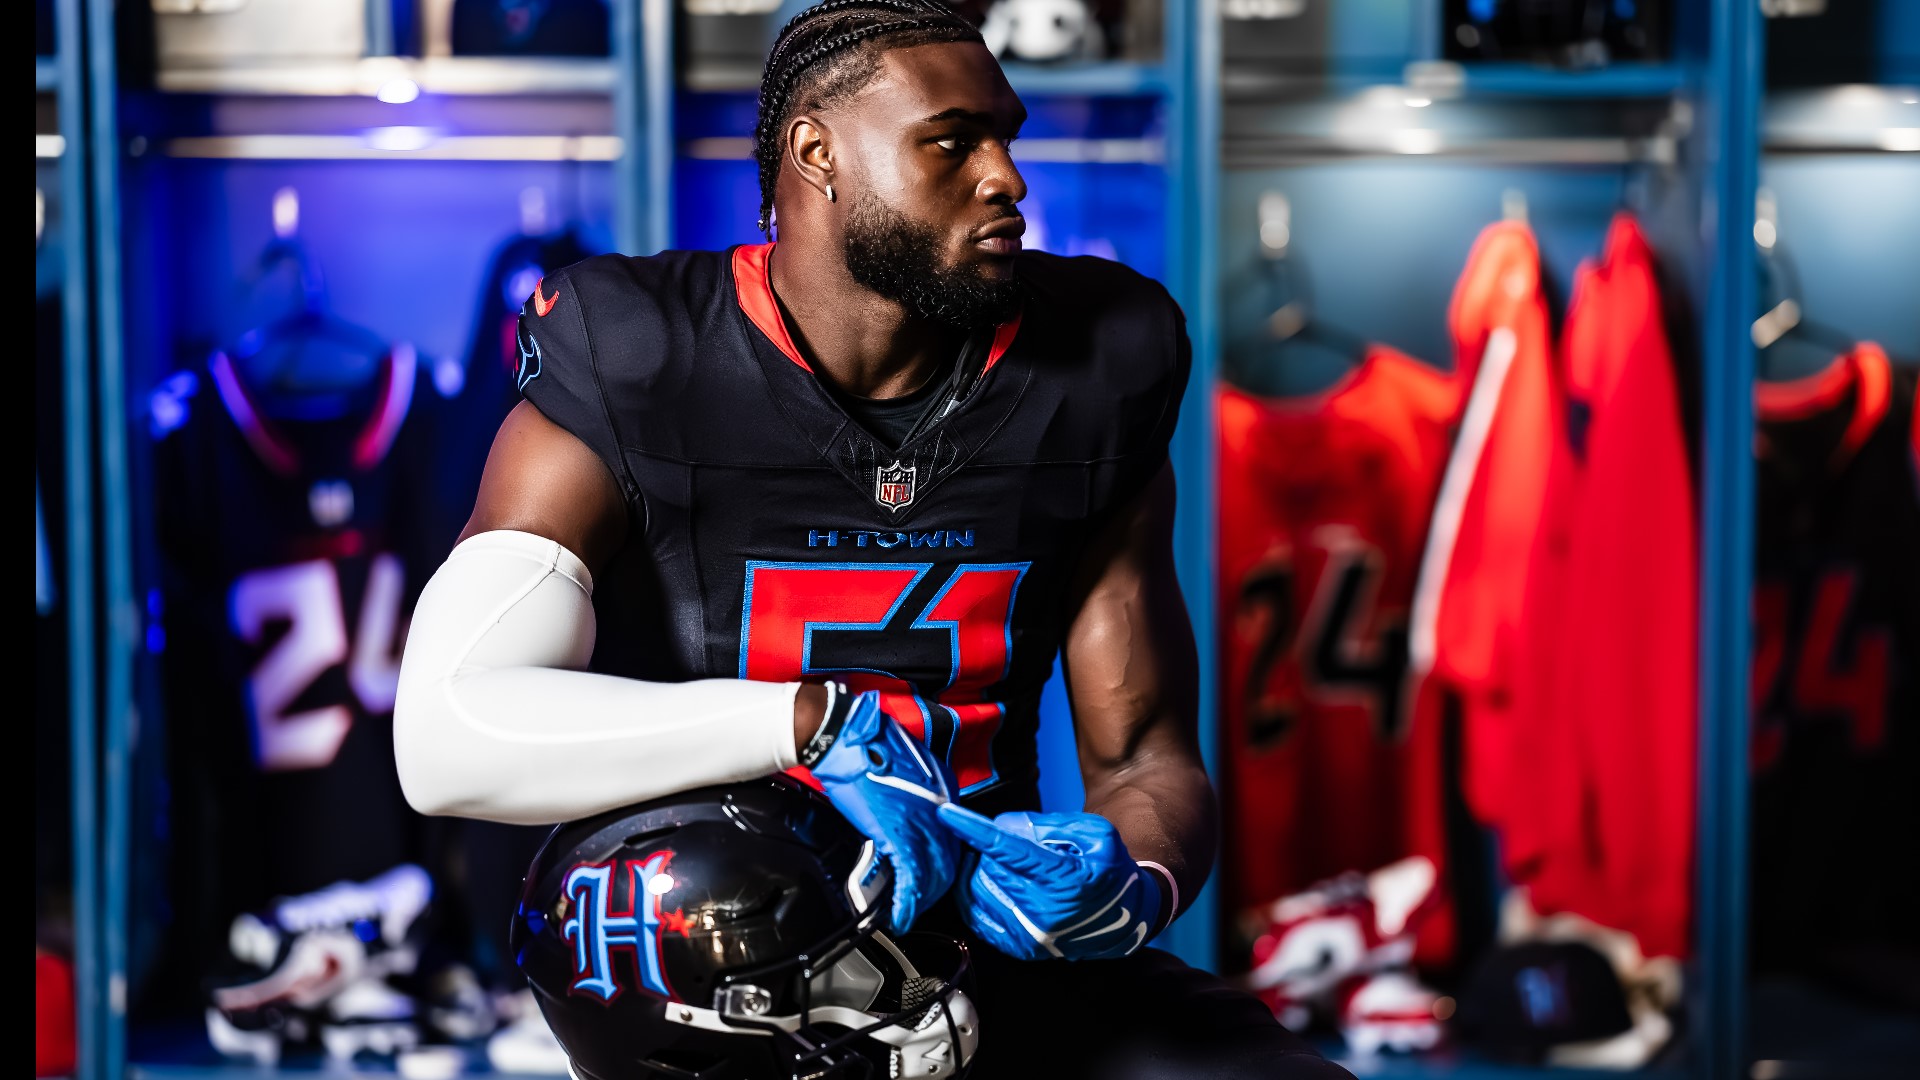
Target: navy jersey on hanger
pixel 293 550
pixel 1836 680
pixel 529 27
pixel 772 538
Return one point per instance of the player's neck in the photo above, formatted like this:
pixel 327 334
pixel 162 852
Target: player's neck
pixel 857 340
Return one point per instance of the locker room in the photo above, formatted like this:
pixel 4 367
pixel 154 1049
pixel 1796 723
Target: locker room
pixel 1548 511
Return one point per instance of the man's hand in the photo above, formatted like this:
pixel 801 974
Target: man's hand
pixel 890 787
pixel 1054 885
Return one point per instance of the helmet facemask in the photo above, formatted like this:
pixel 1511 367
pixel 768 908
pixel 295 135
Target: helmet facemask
pixel 857 1001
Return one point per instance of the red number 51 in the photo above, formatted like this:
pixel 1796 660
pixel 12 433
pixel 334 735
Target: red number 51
pixel 786 602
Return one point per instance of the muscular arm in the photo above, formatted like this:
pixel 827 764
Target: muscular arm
pixel 1131 677
pixel 540 479
pixel 495 716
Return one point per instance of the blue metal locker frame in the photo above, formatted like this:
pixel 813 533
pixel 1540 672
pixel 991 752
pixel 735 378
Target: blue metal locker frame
pixel 1193 60
pixel 643 57
pixel 1735 70
pixel 73 70
pixel 119 612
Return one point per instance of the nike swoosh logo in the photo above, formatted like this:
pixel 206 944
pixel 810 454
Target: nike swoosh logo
pixel 1039 936
pixel 1119 921
pixel 543 304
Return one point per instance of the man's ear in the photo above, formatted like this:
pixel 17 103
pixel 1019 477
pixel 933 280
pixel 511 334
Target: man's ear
pixel 810 152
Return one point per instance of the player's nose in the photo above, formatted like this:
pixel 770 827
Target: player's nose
pixel 1001 182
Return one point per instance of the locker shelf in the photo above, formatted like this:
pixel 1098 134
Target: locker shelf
pixel 1114 78
pixel 448 75
pixel 1616 81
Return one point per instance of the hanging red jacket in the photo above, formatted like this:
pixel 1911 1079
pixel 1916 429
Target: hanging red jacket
pixel 1616 607
pixel 1466 634
pixel 1330 763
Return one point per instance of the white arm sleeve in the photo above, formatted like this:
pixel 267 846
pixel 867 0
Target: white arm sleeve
pixel 495 718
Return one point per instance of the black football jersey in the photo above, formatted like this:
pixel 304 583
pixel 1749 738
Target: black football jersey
pixel 1836 679
pixel 293 549
pixel 772 538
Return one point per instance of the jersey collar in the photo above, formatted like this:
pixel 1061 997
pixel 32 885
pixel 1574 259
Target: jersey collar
pixel 398 372
pixel 1864 373
pixel 932 454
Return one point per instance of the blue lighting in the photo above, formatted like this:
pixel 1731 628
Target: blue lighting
pixel 167 406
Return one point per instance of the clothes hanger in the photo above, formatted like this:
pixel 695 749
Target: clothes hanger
pixel 533 212
pixel 1783 320
pixel 305 364
pixel 1291 325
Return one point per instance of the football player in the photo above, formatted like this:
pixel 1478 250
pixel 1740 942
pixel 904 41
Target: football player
pixel 837 503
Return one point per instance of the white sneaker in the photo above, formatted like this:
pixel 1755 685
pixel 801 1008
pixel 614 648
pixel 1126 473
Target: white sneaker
pixel 318 962
pixel 1391 1011
pixel 368 1017
pixel 526 1045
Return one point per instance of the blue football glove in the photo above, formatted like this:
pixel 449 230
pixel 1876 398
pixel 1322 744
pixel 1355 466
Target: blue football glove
pixel 890 787
pixel 1053 885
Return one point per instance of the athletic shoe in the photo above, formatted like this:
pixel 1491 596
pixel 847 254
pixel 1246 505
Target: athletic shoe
pixel 1353 925
pixel 1391 1011
pixel 525 1045
pixel 317 967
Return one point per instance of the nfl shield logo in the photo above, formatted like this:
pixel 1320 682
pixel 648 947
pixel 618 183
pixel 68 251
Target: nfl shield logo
pixel 893 485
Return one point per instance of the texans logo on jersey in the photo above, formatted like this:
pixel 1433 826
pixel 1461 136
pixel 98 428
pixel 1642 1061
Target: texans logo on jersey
pixel 529 368
pixel 597 925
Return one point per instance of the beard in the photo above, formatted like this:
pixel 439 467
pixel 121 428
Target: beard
pixel 899 258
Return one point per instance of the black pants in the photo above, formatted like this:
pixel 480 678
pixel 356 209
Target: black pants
pixel 1146 1017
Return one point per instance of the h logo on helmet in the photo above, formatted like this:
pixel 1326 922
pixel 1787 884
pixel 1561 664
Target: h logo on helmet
pixel 597 927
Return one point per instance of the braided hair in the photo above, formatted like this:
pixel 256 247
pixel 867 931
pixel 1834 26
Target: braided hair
pixel 826 54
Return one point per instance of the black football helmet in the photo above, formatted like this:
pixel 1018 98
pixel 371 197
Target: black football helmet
pixel 732 933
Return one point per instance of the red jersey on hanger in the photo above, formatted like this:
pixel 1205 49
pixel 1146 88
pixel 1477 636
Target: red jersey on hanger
pixel 1324 502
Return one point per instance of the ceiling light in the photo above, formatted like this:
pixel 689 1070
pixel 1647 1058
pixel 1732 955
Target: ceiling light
pixel 400 138
pixel 1415 141
pixel 1905 139
pixel 398 91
